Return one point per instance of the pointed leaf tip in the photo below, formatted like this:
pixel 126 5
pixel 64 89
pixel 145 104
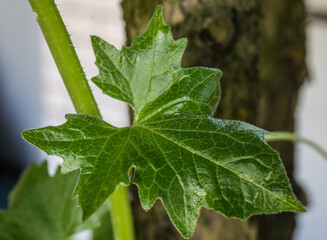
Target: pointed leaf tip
pixel 158 14
pixel 157 23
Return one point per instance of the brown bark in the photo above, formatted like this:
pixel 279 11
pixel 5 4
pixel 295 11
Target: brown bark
pixel 260 47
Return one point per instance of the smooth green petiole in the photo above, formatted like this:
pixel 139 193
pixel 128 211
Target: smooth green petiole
pixel 288 136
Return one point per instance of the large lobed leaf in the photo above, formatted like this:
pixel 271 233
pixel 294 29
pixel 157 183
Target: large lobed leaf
pixel 41 207
pixel 180 154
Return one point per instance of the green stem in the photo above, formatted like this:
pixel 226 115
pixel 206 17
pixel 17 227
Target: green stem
pixel 64 54
pixel 120 214
pixel 80 93
pixel 288 136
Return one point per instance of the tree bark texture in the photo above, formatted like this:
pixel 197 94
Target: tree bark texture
pixel 260 47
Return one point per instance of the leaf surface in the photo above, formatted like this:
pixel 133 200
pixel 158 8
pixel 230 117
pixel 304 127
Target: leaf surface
pixel 181 155
pixel 41 207
pixel 148 75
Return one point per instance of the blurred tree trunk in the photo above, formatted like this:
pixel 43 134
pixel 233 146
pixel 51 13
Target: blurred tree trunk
pixel 260 47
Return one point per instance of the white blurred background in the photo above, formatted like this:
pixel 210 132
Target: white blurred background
pixel 33 95
pixel 311 168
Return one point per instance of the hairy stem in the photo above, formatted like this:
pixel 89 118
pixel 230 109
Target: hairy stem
pixel 80 93
pixel 65 56
pixel 288 136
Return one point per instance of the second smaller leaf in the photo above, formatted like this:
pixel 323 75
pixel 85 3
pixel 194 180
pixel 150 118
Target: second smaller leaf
pixel 41 207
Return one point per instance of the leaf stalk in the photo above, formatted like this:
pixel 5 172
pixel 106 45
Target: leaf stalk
pixel 288 136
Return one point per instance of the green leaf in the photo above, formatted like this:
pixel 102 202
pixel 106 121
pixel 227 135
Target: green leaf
pixel 181 155
pixel 148 75
pixel 41 207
